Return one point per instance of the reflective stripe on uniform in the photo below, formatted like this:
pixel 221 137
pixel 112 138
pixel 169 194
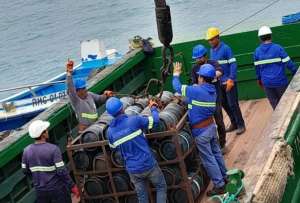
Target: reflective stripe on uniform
pixel 59 164
pixel 92 116
pixel 203 104
pixel 268 61
pixel 286 59
pixel 42 168
pixel 23 165
pixel 127 138
pixel 222 62
pixel 150 125
pixel 183 90
pixel 232 60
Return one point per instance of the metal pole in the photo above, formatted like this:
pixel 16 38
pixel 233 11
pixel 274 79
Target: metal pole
pixel 32 85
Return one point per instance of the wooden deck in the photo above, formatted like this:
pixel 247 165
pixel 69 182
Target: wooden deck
pixel 239 148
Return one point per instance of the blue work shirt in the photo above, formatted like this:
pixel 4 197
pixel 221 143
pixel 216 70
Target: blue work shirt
pixel 44 163
pixel 196 68
pixel 125 133
pixel 223 54
pixel 201 101
pixel 270 61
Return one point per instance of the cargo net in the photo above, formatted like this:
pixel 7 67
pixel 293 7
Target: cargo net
pixel 272 182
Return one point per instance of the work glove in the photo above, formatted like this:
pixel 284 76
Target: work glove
pixel 75 191
pixel 177 68
pixel 229 85
pixel 69 66
pixel 260 84
pixel 152 103
pixel 108 93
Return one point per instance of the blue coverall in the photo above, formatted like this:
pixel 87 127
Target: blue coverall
pixel 223 54
pixel 202 105
pixel 125 133
pixel 270 60
pixel 218 114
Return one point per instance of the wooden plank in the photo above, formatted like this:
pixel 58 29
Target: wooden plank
pixel 240 148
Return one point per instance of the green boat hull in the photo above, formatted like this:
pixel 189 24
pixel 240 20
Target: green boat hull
pixel 130 76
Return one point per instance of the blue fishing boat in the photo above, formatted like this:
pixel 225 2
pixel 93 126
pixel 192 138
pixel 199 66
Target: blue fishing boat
pixel 292 18
pixel 19 108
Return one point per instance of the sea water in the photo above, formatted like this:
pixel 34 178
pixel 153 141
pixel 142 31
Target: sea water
pixel 38 36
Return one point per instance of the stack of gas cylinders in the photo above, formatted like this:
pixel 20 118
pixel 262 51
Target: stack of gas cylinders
pixel 171 111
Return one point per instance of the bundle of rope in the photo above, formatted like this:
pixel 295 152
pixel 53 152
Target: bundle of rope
pixel 272 182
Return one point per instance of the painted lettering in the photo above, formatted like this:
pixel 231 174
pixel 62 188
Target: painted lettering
pixel 52 98
pixel 49 98
pixel 34 102
pixel 44 99
pixel 39 100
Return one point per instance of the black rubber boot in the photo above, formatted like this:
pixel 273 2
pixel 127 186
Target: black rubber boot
pixel 216 191
pixel 240 130
pixel 231 128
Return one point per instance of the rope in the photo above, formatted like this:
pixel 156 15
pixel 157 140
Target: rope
pixel 252 15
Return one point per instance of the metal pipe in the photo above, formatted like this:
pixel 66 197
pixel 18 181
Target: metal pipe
pixel 32 85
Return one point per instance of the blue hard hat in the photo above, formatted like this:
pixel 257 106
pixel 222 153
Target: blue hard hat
pixel 113 106
pixel 80 84
pixel 207 70
pixel 199 51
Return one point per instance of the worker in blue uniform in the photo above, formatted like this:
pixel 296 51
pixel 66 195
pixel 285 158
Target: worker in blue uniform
pixel 200 57
pixel 270 61
pixel 125 133
pixel 223 54
pixel 43 162
pixel 201 100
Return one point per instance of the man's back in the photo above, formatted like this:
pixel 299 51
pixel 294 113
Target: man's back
pixel 134 148
pixel 41 160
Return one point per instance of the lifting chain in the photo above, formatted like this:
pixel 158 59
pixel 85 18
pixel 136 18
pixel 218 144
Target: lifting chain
pixel 165 35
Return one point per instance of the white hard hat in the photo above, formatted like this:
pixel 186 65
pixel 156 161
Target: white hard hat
pixel 37 127
pixel 264 30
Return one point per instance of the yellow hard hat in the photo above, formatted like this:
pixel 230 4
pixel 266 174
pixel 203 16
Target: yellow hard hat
pixel 212 32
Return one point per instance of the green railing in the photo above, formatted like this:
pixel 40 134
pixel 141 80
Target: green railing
pixel 292 191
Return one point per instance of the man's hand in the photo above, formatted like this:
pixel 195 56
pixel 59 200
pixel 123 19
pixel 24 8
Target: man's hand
pixel 108 93
pixel 75 191
pixel 69 67
pixel 260 84
pixel 229 85
pixel 152 103
pixel 177 68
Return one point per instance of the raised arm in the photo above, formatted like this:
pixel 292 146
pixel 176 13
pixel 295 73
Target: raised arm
pixel 70 84
pixel 177 86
